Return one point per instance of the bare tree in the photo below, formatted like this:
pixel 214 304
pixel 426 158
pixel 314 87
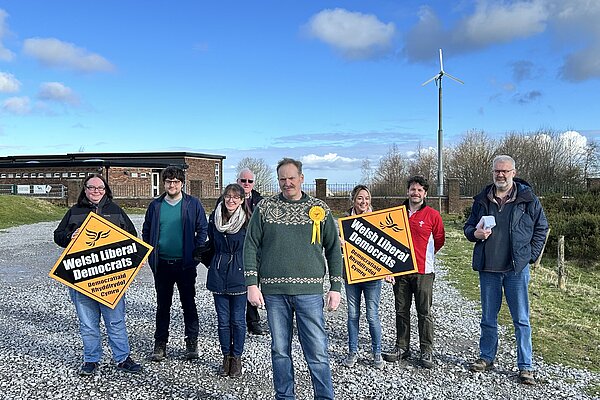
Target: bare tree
pixel 425 164
pixel 366 172
pixel 391 173
pixel 263 174
pixel 470 161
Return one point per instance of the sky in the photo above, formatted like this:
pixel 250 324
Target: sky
pixel 331 83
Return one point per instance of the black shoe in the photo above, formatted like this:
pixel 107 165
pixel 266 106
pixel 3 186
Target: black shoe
pixel 87 368
pixel 427 360
pixel 191 349
pixel 396 355
pixel 256 329
pixel 160 351
pixel 129 366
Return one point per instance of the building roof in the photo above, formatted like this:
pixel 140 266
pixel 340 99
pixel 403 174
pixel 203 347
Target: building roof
pixel 141 159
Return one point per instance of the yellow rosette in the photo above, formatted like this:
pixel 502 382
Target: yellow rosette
pixel 316 214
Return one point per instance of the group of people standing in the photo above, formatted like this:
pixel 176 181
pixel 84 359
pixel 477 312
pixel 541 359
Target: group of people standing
pixel 276 253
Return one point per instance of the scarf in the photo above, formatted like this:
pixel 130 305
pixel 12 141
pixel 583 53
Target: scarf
pixel 235 223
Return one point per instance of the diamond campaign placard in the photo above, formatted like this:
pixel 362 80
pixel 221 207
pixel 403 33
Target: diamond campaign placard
pixel 377 244
pixel 101 261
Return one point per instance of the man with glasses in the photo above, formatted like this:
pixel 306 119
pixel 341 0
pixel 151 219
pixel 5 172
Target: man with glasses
pixel 175 224
pixel 508 225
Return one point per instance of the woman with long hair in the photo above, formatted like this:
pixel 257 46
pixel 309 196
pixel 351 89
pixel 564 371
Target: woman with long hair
pixel 361 203
pixel 226 233
pixel 96 196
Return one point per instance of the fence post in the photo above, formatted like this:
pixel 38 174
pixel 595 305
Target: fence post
pixel 561 263
pixel 321 188
pixel 539 259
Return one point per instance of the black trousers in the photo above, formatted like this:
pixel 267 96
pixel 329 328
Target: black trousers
pixel 168 274
pixel 252 317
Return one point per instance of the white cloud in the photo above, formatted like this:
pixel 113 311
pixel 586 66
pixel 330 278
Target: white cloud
pixel 329 161
pixel 17 105
pixel 8 83
pixel 5 54
pixel 55 53
pixel 574 141
pixel 494 23
pixel 56 91
pixel 355 35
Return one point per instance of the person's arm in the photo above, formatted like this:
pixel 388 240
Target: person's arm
pixel 439 233
pixel 147 224
pixel 252 246
pixel 540 229
pixel 333 253
pixel 474 232
pixel 63 232
pixel 201 225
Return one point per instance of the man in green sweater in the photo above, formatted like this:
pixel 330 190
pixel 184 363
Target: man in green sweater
pixel 283 252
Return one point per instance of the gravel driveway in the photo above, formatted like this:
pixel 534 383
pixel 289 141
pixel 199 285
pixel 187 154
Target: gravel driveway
pixel 40 346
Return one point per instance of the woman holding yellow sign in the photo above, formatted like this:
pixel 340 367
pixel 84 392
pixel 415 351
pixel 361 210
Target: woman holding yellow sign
pixel 361 203
pixel 96 196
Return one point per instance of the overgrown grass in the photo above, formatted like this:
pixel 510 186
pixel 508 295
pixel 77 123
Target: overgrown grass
pixel 565 323
pixel 20 210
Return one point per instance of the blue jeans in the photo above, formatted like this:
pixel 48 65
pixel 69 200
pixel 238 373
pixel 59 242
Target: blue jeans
pixel 515 286
pixel 372 293
pixel 88 312
pixel 313 339
pixel 231 317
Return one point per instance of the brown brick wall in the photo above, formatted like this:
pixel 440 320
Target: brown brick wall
pixel 204 172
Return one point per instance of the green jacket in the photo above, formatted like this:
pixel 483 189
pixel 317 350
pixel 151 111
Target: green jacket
pixel 278 253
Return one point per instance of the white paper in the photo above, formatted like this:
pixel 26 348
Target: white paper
pixel 487 222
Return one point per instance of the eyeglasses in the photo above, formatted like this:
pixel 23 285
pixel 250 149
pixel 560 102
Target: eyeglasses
pixel 98 188
pixel 228 197
pixel 502 171
pixel 173 182
pixel 246 180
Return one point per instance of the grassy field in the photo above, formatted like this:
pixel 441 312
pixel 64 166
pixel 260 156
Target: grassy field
pixel 20 210
pixel 565 323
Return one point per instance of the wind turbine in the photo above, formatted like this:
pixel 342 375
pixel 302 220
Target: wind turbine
pixel 438 82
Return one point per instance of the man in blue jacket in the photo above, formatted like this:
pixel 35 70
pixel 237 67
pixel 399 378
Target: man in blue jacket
pixel 508 225
pixel 175 224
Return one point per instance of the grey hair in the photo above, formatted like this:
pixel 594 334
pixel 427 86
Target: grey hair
pixel 246 170
pixel 504 158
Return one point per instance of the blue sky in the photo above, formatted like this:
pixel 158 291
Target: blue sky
pixel 331 83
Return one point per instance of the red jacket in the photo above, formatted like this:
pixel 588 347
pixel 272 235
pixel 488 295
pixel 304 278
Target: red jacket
pixel 428 236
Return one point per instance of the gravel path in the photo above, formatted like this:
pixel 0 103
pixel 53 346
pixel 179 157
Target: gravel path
pixel 40 346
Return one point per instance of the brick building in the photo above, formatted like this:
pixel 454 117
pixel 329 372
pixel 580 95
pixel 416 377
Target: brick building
pixel 130 175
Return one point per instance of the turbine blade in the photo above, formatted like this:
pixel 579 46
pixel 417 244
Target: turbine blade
pixel 441 63
pixel 434 78
pixel 453 77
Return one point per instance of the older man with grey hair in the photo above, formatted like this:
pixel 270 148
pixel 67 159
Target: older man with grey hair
pixel 508 226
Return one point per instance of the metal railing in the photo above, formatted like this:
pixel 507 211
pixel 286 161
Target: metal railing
pixel 42 190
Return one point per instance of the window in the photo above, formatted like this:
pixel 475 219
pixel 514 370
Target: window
pixel 217 175
pixel 73 175
pixel 82 174
pixel 48 174
pixel 57 174
pixel 65 174
pixel 25 175
pixel 11 175
pixel 134 174
pixel 2 175
pixel 143 175
pixel 17 175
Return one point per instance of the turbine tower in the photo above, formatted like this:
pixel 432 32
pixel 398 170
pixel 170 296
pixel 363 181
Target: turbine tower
pixel 438 82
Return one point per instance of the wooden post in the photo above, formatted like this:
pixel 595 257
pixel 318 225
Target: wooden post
pixel 562 273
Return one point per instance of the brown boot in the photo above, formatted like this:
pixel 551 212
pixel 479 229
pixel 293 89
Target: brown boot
pixel 235 369
pixel 225 368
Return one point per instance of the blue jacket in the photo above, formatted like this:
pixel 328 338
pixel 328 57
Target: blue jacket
pixel 528 227
pixel 226 269
pixel 194 229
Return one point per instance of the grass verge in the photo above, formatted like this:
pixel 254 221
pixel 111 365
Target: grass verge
pixel 20 210
pixel 565 323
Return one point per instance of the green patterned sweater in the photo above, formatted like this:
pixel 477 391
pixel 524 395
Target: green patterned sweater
pixel 278 253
